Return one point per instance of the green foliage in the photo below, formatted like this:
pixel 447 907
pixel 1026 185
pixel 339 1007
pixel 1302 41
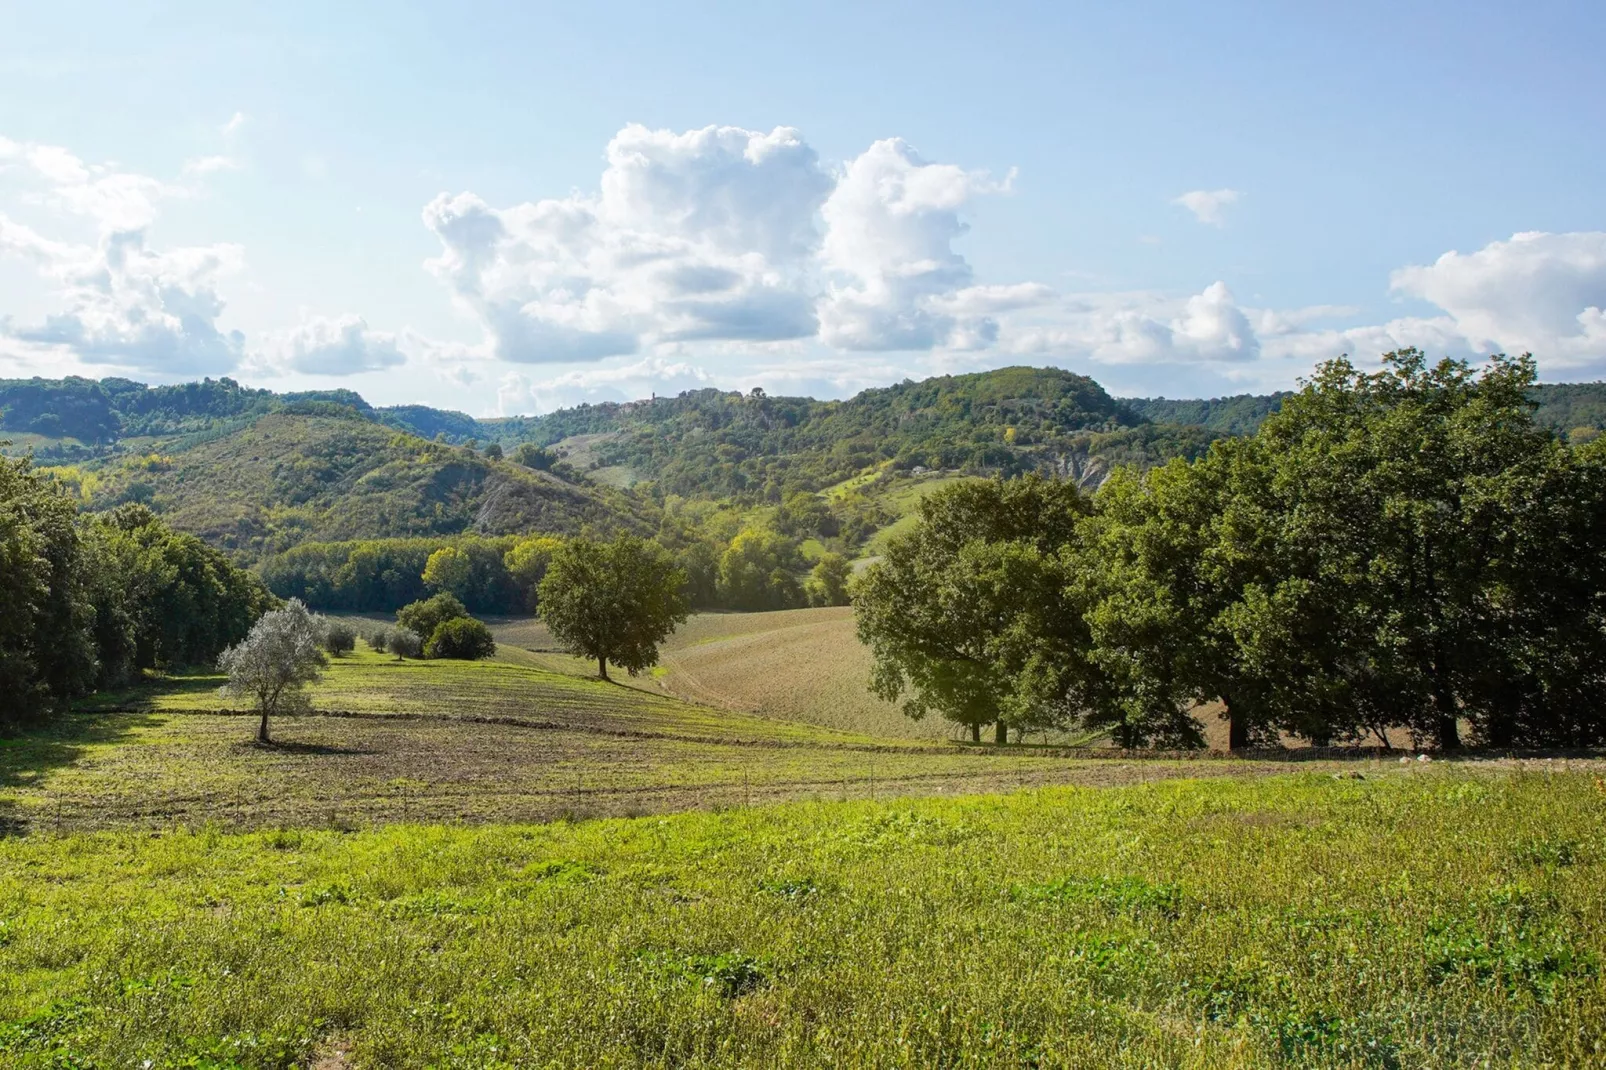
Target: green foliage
pixel 526 564
pixel 89 603
pixel 339 637
pixel 47 653
pixel 828 581
pixel 273 664
pixel 613 601
pixel 448 569
pixel 424 616
pixel 757 572
pixel 404 643
pixel 384 574
pixel 462 638
pixel 966 615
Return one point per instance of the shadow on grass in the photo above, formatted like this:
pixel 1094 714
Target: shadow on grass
pixel 292 747
pixel 142 697
pixel 30 754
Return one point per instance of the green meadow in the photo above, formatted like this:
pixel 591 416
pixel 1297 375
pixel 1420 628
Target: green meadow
pixel 1424 916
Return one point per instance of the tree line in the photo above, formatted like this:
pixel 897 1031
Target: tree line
pixel 90 601
pixel 1407 549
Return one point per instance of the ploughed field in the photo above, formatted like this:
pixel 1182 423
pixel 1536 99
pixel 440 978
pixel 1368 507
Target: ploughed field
pixel 479 741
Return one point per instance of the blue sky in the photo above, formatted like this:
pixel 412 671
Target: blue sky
pixel 504 208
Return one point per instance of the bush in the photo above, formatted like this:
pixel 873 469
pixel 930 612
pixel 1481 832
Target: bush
pixel 339 637
pixel 463 638
pixel 405 643
pixel 428 614
pixel 378 638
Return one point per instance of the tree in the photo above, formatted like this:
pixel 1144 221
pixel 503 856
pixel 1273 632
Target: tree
pixel 828 582
pixel 448 570
pixel 46 652
pixel 755 571
pixel 273 663
pixel 405 643
pixel 339 638
pixel 613 601
pixel 463 638
pixel 966 615
pixel 493 452
pixel 423 617
pixel 527 564
pixel 378 638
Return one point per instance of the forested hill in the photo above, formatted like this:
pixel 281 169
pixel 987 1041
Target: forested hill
pixel 257 472
pixel 720 443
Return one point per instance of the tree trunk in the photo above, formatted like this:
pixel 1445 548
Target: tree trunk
pixel 602 667
pixel 1449 730
pixel 1237 731
pixel 1001 733
pixel 975 733
pixel 262 729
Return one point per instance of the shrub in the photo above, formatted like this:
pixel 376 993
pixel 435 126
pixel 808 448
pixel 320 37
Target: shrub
pixel 405 643
pixel 339 637
pixel 464 638
pixel 427 614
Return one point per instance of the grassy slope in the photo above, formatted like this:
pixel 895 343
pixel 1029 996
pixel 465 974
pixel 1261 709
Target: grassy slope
pixel 1423 917
pixel 284 478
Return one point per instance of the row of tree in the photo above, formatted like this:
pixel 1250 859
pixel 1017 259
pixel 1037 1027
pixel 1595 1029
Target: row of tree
pixel 90 601
pixel 1398 550
pixel 754 569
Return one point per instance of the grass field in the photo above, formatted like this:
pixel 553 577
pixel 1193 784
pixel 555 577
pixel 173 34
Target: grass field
pixel 1421 917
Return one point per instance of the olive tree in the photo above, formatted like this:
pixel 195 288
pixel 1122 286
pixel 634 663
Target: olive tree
pixel 274 662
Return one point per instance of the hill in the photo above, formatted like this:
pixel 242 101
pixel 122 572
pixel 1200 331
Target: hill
pixel 264 483
pixel 728 444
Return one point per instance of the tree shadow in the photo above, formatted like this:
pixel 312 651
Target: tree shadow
pixel 142 697
pixel 28 755
pixel 293 747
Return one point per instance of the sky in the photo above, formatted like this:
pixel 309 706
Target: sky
pixel 508 208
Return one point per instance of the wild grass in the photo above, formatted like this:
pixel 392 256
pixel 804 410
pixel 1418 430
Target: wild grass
pixel 1421 917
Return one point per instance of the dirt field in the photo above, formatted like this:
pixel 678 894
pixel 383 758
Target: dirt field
pixel 795 665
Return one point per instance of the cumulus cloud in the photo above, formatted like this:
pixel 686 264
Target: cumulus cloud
pixel 124 304
pixel 343 345
pixel 696 236
pixel 1207 327
pixel 723 235
pixel 1539 292
pixel 890 227
pixel 1207 205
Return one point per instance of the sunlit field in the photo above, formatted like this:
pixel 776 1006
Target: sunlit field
pixel 1417 917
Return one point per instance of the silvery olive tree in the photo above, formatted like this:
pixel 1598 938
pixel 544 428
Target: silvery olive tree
pixel 274 662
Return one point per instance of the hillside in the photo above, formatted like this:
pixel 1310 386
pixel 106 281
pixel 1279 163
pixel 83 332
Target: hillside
pixel 729 444
pixel 283 478
pixel 257 472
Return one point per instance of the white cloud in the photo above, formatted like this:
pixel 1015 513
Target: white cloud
pixel 123 304
pixel 714 235
pixel 696 236
pixel 233 126
pixel 343 345
pixel 1538 292
pixel 890 227
pixel 1207 204
pixel 1208 327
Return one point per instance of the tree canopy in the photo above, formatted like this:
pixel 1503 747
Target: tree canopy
pixel 613 601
